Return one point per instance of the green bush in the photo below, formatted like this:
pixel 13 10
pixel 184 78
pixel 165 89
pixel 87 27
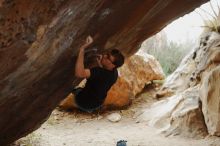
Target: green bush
pixel 171 55
pixel 168 53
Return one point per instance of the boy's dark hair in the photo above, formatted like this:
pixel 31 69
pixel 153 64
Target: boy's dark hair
pixel 119 57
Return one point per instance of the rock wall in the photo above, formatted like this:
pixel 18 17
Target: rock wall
pixel 195 82
pixel 38 48
pixel 210 100
pixel 180 114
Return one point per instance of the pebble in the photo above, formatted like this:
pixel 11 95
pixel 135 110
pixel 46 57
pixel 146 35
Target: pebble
pixel 99 117
pixel 56 118
pixel 114 117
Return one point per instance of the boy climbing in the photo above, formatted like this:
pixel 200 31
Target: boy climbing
pixel 99 79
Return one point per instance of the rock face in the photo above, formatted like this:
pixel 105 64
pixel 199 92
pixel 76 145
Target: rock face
pixel 196 84
pixel 210 97
pixel 178 115
pixel 38 47
pixel 211 101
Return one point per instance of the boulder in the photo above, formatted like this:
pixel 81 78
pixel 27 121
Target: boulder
pixel 191 67
pixel 178 115
pixel 210 96
pixel 137 71
pixel 209 80
pixel 196 84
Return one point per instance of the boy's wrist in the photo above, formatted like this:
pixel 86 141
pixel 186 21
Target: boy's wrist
pixel 85 46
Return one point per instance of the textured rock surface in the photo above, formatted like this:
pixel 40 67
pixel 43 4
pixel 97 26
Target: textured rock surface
pixel 178 115
pixel 197 80
pixel 179 80
pixel 210 83
pixel 199 60
pixel 137 71
pixel 210 97
pixel 39 41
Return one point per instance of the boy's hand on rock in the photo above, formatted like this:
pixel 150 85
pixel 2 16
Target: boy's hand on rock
pixel 89 40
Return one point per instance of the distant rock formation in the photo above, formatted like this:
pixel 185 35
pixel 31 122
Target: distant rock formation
pixel 39 42
pixel 194 109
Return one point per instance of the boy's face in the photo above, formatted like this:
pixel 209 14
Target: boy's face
pixel 108 61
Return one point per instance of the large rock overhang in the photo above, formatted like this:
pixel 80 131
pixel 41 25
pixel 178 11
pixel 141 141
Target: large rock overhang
pixel 39 42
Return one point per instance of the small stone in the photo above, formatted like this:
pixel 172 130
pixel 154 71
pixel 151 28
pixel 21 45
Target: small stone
pixel 99 117
pixel 56 118
pixel 114 117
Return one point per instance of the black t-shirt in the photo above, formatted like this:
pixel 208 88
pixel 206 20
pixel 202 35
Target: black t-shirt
pixel 96 88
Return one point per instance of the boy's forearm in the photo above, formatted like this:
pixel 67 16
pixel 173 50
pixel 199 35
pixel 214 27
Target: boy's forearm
pixel 79 68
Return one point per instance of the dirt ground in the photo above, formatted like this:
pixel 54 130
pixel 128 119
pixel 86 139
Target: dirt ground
pixel 76 128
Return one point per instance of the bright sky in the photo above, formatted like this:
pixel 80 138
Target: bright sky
pixel 189 26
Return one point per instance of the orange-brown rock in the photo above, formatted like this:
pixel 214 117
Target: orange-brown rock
pixel 137 71
pixel 68 103
pixel 120 95
pixel 39 42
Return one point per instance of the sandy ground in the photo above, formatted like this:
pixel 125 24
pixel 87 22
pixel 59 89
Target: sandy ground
pixel 80 129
